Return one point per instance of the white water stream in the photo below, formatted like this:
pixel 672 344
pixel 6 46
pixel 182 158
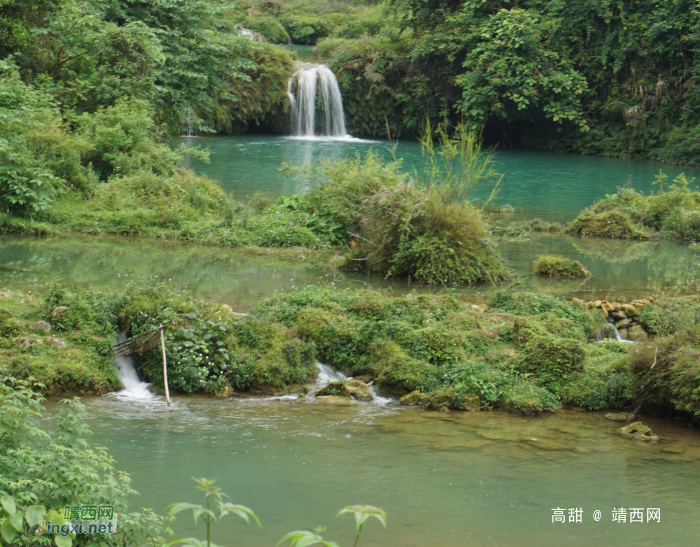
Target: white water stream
pixel 310 120
pixel 134 388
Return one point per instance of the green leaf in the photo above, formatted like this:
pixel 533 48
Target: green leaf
pixel 7 531
pixel 9 505
pixel 63 541
pixel 34 514
pixel 17 521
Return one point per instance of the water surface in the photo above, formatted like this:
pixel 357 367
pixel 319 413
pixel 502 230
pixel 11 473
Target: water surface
pixel 621 270
pixel 457 479
pixel 551 186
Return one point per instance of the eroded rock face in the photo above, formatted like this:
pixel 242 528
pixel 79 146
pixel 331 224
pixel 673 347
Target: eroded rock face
pixel 640 432
pixel 41 325
pixel 359 390
pixel 412 399
pixel 619 416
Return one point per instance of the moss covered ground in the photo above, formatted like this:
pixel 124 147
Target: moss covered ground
pixel 527 353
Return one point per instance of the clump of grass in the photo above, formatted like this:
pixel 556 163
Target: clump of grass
pixel 671 213
pixel 559 266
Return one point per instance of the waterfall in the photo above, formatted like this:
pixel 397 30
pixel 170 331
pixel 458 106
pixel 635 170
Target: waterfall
pixel 187 125
pixel 134 388
pixel 609 331
pixel 310 119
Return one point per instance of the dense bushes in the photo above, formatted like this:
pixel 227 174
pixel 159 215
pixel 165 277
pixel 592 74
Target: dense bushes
pixel 559 266
pixel 672 214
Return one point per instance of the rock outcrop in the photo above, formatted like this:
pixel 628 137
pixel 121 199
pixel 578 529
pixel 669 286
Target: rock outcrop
pixel 640 432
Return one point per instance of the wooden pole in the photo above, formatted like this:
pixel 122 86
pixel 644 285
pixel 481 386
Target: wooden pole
pixel 165 365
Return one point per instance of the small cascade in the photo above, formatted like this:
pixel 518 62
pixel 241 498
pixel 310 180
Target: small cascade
pixel 187 123
pixel 311 116
pixel 134 388
pixel 379 400
pixel 609 331
pixel 249 34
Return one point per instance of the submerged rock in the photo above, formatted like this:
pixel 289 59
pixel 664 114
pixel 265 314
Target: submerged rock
pixel 640 432
pixel 619 416
pixel 359 390
pixel 335 400
pixel 412 399
pixel 41 325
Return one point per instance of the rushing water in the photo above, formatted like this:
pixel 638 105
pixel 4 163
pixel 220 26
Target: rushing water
pixel 308 121
pixel 551 186
pixel 457 479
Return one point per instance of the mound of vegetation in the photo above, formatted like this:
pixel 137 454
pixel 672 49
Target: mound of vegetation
pixel 559 266
pixel 673 213
pixel 527 352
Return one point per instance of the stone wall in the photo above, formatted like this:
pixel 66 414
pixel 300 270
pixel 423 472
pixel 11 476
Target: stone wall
pixel 625 317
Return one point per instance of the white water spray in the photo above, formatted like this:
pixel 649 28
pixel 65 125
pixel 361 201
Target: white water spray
pixel 134 388
pixel 609 331
pixel 308 120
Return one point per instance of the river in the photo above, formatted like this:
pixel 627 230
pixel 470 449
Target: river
pixel 457 479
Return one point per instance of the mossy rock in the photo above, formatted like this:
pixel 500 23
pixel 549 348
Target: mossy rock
pixel 559 266
pixel 359 390
pixel 613 224
pixel 411 399
pixel 640 432
pixel 619 416
pixel 334 389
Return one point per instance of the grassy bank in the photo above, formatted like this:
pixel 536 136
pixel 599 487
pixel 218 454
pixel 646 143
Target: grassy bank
pixel 671 213
pixel 527 353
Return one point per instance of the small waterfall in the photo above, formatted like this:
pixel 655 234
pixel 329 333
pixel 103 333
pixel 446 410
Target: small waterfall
pixel 134 388
pixel 310 119
pixel 379 400
pixel 187 124
pixel 609 331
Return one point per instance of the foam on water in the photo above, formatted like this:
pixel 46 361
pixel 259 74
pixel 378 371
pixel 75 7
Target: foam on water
pixel 134 388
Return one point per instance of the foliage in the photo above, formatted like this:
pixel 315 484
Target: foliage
pixel 559 266
pixel 361 514
pixel 41 472
pixel 208 514
pixel 306 29
pixel 671 214
pixel 27 182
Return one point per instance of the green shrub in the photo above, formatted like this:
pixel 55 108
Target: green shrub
pixel 559 266
pixel 269 27
pixel 306 29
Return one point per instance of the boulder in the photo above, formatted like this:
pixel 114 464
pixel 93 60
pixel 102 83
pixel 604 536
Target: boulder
pixel 358 389
pixel 636 333
pixel 597 303
pixel 41 325
pixel 619 416
pixel 473 404
pixel 624 334
pixel 640 432
pixel 56 343
pixel 623 324
pixel 334 389
pixel 227 308
pixel 629 310
pixel 412 399
pixel 618 315
pixel 58 310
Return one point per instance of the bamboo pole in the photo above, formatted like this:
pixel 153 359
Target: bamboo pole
pixel 165 365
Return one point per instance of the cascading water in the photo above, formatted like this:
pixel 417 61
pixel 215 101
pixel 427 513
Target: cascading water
pixel 310 119
pixel 134 388
pixel 609 331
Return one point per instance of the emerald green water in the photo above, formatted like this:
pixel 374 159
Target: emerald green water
pixel 551 186
pixel 457 479
pixel 621 270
